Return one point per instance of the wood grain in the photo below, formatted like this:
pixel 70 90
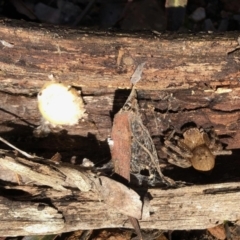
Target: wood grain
pixel 196 207
pixel 187 78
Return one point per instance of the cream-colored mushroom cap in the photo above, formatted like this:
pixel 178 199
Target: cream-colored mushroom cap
pixel 60 104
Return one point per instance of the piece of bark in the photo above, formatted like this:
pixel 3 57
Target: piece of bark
pixel 18 217
pixel 196 207
pixel 64 177
pixel 186 78
pixel 89 60
pixel 193 207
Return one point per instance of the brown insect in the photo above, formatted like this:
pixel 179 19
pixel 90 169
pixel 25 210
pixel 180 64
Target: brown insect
pixel 196 148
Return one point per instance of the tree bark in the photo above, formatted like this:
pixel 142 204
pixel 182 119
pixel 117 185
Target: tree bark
pixel 196 207
pixel 187 79
pixel 55 205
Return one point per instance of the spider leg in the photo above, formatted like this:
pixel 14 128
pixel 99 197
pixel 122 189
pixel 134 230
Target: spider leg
pixel 180 148
pixel 171 135
pixel 216 146
pixel 211 140
pixel 175 159
pixel 221 152
pixel 178 154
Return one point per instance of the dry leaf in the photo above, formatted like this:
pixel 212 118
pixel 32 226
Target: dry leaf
pixel 133 149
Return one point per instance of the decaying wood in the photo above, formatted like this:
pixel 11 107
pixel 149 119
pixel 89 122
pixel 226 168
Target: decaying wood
pixel 43 210
pixel 62 177
pixel 186 78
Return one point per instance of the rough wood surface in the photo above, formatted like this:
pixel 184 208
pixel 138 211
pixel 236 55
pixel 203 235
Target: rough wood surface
pixel 56 208
pixel 187 78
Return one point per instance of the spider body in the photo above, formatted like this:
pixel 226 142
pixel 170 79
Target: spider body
pixel 196 148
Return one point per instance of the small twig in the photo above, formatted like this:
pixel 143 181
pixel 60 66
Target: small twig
pixel 22 152
pixel 151 157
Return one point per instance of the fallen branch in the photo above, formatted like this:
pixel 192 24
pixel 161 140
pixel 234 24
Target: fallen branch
pixel 185 79
pixel 31 209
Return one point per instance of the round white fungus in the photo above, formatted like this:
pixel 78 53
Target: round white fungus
pixel 60 104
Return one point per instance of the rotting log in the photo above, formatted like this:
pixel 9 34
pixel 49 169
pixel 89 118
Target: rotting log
pixel 196 207
pixel 57 206
pixel 187 78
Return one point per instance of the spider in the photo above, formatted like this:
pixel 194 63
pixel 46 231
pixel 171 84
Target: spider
pixel 197 148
